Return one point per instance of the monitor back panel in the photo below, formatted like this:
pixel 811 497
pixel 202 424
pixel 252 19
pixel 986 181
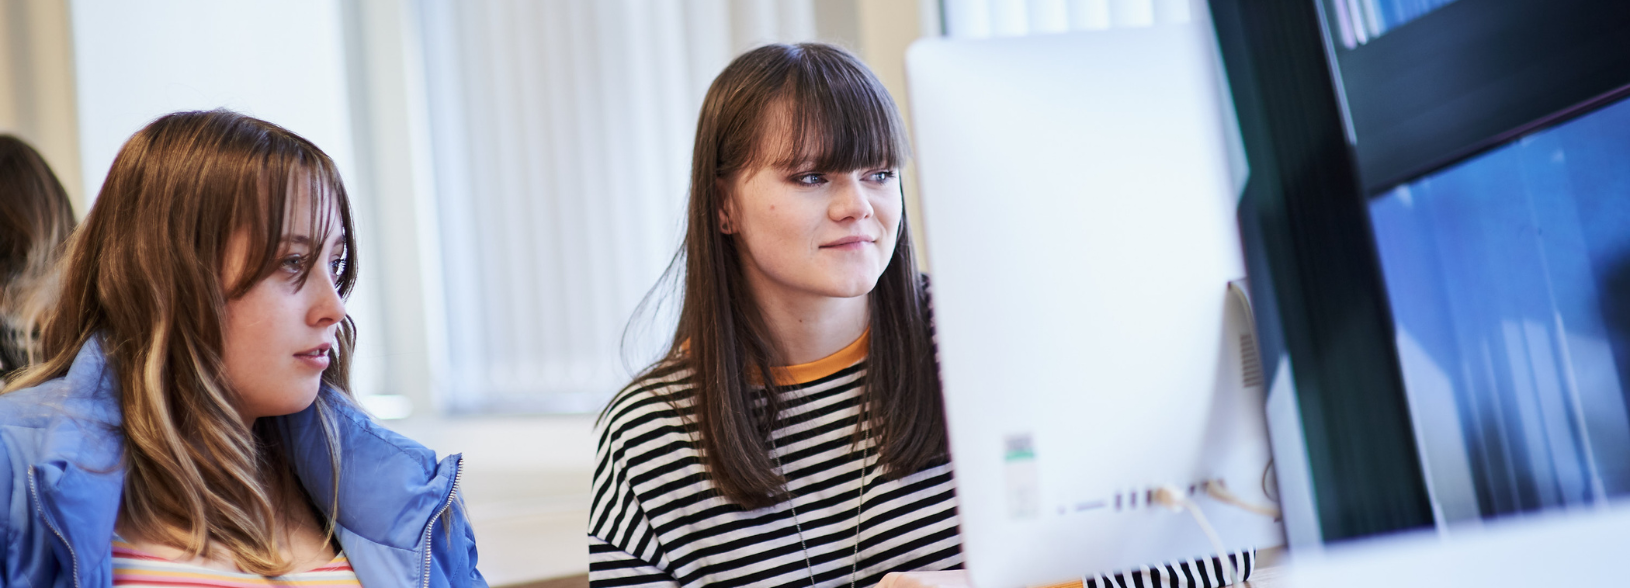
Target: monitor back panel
pixel 1079 214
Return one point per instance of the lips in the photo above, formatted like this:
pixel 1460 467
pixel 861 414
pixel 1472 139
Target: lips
pixel 850 241
pixel 316 357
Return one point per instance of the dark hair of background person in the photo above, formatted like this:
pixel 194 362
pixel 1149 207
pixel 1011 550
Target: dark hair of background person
pixel 35 220
pixel 841 119
pixel 144 276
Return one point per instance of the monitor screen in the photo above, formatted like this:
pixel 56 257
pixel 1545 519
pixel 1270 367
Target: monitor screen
pixel 1509 280
pixel 1432 228
pixel 1361 21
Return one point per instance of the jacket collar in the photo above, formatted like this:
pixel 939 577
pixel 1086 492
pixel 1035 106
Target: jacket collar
pixel 79 478
pixel 390 487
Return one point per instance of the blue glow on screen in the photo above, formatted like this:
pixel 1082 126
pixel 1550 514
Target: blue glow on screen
pixel 1360 21
pixel 1509 280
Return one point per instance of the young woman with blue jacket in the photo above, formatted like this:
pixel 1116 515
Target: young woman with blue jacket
pixel 190 423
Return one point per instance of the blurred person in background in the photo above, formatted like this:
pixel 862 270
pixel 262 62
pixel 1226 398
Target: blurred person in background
pixel 189 423
pixel 35 220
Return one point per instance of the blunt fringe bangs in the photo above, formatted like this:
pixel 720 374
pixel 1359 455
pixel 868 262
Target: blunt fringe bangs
pixel 841 119
pixel 143 275
pixel 839 115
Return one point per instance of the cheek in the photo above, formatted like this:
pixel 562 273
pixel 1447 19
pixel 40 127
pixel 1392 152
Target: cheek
pixel 259 332
pixel 251 323
pixel 247 341
pixel 889 210
pixel 776 230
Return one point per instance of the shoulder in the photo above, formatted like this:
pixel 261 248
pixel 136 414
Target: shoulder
pixel 42 407
pixel 51 421
pixel 26 416
pixel 32 407
pixel 650 417
pixel 661 394
pixel 86 393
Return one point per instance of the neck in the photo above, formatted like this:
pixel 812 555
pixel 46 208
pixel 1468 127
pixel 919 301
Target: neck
pixel 809 327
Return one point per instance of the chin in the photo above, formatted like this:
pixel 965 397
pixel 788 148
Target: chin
pixel 859 286
pixel 300 401
pixel 291 409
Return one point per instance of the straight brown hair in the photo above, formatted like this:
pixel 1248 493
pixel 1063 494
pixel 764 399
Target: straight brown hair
pixel 143 276
pixel 841 119
pixel 35 221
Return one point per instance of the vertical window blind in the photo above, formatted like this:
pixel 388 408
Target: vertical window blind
pixel 977 19
pixel 561 134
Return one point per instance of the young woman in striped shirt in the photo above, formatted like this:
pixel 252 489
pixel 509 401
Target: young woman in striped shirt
pixel 833 469
pixel 793 435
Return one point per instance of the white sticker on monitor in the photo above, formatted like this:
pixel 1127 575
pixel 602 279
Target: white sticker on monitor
pixel 1023 488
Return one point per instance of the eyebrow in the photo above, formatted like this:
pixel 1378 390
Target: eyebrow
pixel 305 240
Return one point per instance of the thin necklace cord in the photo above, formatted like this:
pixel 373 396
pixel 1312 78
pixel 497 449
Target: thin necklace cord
pixel 860 508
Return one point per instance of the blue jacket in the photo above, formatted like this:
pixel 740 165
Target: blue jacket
pixel 61 479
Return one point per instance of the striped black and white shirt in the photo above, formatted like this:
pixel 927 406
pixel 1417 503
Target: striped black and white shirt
pixel 656 519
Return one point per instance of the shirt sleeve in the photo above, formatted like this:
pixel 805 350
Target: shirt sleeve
pixel 1209 572
pixel 624 549
pixel 612 567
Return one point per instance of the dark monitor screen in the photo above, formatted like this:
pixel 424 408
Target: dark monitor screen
pixel 1425 84
pixel 1358 22
pixel 1437 231
pixel 1508 276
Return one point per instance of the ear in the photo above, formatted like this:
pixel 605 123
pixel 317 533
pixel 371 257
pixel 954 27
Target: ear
pixel 726 210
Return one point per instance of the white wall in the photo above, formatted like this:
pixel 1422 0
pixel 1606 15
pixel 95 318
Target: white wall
pixel 281 61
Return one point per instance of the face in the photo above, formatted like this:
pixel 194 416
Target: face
pixel 280 335
pixel 804 232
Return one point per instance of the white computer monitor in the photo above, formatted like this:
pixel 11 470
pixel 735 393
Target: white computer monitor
pixel 1079 196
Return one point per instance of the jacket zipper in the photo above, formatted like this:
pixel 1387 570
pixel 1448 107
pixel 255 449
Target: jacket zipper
pixel 458 474
pixel 39 507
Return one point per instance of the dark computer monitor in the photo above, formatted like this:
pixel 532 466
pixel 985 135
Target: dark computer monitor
pixel 1437 231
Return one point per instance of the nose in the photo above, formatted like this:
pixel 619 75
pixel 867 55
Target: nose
pixel 326 306
pixel 849 200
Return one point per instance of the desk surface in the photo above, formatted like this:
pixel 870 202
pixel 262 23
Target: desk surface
pixel 1268 574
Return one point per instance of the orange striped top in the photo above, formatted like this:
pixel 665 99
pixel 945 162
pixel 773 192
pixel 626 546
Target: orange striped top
pixel 136 569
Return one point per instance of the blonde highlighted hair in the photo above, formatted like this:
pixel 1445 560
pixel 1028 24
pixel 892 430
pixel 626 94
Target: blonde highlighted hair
pixel 144 277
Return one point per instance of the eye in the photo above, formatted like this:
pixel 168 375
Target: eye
pixel 293 263
pixel 809 179
pixel 337 266
pixel 882 175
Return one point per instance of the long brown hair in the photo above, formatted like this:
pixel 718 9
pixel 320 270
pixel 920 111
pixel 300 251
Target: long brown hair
pixel 35 220
pixel 143 276
pixel 841 118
